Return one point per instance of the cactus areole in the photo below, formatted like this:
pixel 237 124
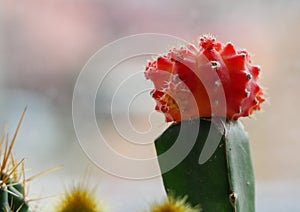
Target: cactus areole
pixel 184 90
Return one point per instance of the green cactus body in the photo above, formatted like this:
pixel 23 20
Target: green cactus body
pixel 11 198
pixel 4 206
pixel 12 195
pixel 17 200
pixel 223 183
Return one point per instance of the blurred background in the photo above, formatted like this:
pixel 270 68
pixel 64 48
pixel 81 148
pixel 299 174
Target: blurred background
pixel 45 44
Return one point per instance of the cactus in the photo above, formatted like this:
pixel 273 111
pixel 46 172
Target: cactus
pixel 12 188
pixel 172 204
pixel 78 199
pixel 12 176
pixel 206 88
pixel 225 182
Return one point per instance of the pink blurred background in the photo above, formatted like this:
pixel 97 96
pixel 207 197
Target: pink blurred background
pixel 44 45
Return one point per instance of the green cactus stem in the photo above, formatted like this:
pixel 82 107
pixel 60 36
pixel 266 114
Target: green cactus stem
pixel 223 183
pixel 4 206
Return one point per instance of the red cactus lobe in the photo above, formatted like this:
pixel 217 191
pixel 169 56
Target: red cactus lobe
pixel 188 82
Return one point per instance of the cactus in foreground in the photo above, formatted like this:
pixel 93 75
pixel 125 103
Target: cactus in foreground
pixel 79 199
pixel 204 88
pixel 12 186
pixel 172 204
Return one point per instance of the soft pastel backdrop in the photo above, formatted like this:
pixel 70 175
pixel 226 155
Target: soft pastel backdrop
pixel 44 45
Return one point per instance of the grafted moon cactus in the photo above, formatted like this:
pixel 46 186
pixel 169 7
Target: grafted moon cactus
pixel 208 81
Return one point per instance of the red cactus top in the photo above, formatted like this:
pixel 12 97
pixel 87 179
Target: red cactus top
pixel 205 80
